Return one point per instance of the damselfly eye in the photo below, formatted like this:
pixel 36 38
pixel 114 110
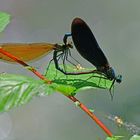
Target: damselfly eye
pixel 119 79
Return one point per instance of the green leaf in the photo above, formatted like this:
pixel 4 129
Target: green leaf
pixel 114 138
pixel 4 20
pixel 71 84
pixel 16 90
pixel 135 137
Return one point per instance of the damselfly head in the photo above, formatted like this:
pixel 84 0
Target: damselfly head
pixel 118 78
pixel 110 73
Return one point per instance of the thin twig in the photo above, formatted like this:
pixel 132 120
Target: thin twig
pixel 81 105
pixel 92 115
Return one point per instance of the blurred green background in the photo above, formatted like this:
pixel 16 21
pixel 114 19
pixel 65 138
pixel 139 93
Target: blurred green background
pixel 116 25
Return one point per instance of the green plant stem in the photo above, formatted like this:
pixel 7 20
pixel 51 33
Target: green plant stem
pixel 25 65
pixel 92 115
